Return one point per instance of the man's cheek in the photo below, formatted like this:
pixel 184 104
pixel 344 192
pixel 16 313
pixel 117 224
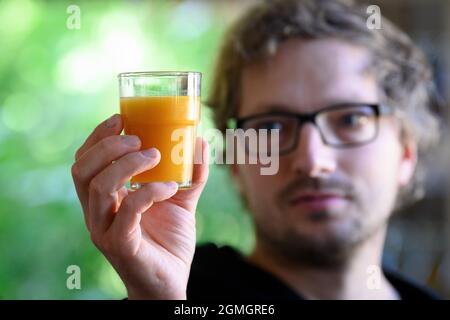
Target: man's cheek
pixel 365 183
pixel 377 190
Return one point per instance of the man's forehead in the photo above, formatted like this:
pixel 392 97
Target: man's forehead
pixel 327 53
pixel 313 72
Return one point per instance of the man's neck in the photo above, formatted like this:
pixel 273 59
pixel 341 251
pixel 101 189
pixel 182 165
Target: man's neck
pixel 361 278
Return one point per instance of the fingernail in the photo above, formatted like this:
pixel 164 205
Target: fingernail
pixel 150 153
pixel 111 122
pixel 171 184
pixel 131 140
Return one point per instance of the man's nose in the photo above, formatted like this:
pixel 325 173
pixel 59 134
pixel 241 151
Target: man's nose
pixel 312 157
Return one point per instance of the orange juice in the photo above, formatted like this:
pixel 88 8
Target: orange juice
pixel 154 120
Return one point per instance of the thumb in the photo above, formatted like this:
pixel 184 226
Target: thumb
pixel 188 198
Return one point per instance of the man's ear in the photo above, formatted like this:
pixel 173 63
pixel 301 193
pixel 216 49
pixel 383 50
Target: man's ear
pixel 408 162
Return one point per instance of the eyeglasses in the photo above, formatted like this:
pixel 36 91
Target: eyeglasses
pixel 340 126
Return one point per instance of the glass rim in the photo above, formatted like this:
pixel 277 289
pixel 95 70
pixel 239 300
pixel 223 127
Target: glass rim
pixel 157 74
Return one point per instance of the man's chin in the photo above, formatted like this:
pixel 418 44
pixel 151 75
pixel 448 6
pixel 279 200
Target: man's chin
pixel 327 248
pixel 323 228
pixel 328 243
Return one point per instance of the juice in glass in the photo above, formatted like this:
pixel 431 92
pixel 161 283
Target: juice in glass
pixel 164 114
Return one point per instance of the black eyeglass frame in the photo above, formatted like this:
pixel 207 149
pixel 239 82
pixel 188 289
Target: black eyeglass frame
pixel 302 118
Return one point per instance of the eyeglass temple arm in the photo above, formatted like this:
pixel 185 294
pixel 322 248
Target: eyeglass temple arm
pixel 385 109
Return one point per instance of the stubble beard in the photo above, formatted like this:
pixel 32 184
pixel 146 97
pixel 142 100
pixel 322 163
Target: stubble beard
pixel 330 251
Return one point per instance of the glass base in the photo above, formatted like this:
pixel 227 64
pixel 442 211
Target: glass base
pixel 181 186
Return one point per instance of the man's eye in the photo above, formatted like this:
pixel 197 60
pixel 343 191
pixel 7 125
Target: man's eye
pixel 353 120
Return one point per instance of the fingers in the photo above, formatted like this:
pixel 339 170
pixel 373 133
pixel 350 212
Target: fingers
pixel 129 215
pixel 104 152
pixel 201 170
pixel 104 187
pixel 188 198
pixel 97 158
pixel 109 127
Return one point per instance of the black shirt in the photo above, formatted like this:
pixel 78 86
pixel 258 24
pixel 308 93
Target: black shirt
pixel 223 273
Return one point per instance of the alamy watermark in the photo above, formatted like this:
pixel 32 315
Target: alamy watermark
pixel 73 21
pixel 238 146
pixel 73 281
pixel 374 19
pixel 374 277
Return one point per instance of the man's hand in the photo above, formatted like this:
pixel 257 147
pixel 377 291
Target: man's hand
pixel 148 235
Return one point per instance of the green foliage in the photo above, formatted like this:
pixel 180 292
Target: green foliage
pixel 56 85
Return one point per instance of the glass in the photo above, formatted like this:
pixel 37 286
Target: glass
pixel 343 125
pixel 163 110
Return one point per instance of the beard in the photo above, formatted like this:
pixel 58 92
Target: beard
pixel 331 251
pixel 332 247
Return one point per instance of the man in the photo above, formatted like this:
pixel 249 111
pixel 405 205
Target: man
pixel 351 105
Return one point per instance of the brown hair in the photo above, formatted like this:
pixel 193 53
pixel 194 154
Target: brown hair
pixel 403 74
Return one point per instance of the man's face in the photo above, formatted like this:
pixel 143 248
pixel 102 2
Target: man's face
pixel 323 199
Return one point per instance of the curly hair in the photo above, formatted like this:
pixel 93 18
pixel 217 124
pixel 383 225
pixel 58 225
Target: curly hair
pixel 403 74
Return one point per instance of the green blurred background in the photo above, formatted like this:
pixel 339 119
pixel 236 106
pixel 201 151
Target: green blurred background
pixel 56 85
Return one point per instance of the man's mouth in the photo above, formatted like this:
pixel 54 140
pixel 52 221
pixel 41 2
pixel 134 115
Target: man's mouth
pixel 318 201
